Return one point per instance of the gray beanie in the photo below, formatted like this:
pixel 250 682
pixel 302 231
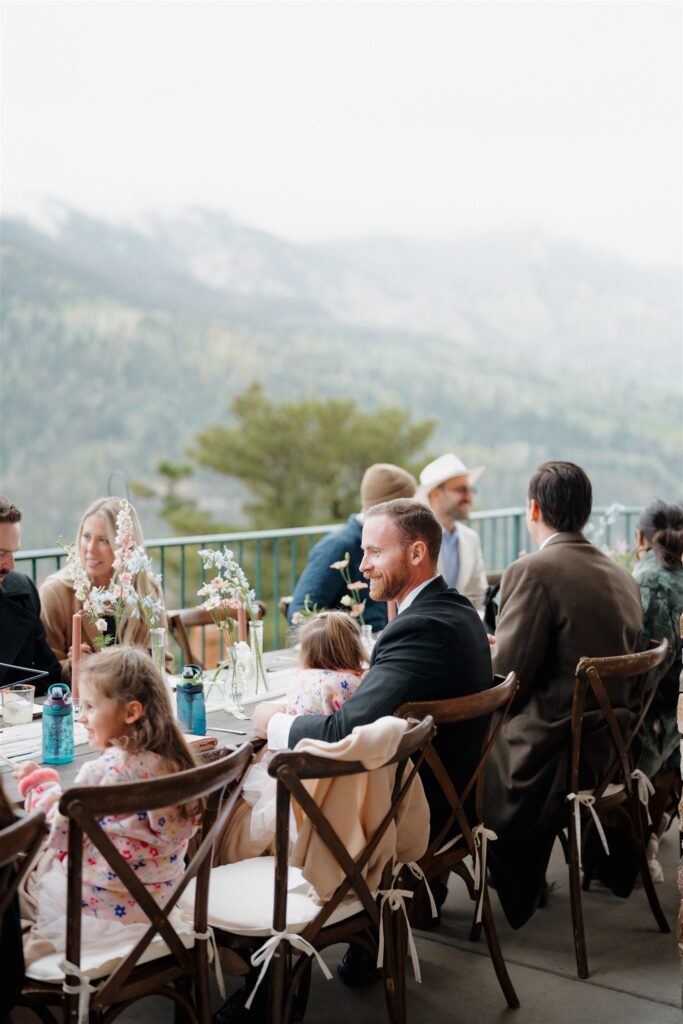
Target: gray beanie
pixel 384 482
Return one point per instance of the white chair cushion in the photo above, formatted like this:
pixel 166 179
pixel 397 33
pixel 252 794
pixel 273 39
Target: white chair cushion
pixel 241 899
pixel 97 963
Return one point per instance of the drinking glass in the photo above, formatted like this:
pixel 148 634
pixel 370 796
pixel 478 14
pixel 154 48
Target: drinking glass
pixel 17 704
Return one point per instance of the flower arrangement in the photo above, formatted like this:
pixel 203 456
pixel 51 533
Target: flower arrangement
pixel 597 534
pixel 305 613
pixel 227 591
pixel 351 600
pixel 130 590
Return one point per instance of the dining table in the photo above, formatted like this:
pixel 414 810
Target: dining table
pixel 230 727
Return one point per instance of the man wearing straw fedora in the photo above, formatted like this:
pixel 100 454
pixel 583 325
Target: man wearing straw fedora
pixel 448 486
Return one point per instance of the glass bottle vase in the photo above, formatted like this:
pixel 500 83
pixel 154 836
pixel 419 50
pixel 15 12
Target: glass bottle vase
pixel 256 644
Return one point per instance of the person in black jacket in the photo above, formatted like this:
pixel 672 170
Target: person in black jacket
pixel 435 648
pixel 22 636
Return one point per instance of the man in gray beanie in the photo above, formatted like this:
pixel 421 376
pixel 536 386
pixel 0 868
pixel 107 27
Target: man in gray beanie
pixel 323 585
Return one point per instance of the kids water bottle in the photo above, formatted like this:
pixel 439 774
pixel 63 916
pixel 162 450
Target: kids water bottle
pixel 190 701
pixel 58 725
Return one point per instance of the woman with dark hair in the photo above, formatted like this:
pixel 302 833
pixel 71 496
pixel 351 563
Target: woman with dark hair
pixel 659 572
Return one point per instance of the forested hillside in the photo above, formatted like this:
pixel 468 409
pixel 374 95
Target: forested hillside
pixel 119 344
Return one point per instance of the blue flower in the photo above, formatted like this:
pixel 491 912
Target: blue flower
pixel 162 821
pixel 120 911
pixel 142 815
pixel 174 856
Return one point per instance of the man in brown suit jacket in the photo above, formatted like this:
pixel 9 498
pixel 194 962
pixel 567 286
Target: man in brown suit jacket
pixel 564 601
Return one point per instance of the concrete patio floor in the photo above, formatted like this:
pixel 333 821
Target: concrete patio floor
pixel 635 974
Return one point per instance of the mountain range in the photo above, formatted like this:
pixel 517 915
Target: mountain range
pixel 121 341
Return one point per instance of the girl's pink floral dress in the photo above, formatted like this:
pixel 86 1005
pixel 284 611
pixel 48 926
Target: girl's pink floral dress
pixel 154 842
pixel 320 691
pixel 315 691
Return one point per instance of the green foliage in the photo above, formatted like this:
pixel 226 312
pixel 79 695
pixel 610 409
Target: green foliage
pixel 303 461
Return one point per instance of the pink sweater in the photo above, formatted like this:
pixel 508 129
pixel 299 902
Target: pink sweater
pixel 154 842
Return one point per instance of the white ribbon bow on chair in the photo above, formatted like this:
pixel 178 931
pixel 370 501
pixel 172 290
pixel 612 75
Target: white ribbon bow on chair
pixel 209 936
pixel 418 873
pixel 396 900
pixel 82 990
pixel 481 836
pixel 588 800
pixel 645 790
pixel 265 953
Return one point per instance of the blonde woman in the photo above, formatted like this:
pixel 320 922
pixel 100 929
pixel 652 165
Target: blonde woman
pixel 95 547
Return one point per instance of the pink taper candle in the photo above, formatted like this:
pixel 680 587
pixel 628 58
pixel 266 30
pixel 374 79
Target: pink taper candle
pixel 391 610
pixel 75 654
pixel 242 623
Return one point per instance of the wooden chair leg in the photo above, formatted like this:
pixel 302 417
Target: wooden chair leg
pixel 394 968
pixel 638 832
pixel 201 981
pixel 576 905
pixel 499 965
pixel 275 981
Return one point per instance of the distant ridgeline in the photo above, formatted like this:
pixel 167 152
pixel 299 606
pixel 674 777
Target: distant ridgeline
pixel 120 343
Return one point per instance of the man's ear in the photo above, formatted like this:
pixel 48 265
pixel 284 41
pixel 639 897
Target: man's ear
pixel 418 552
pixel 534 510
pixel 134 711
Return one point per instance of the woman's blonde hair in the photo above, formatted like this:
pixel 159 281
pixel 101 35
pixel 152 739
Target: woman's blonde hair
pixel 332 640
pixel 131 630
pixel 124 674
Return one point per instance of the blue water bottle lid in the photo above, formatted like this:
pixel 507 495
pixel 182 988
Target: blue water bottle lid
pixel 58 700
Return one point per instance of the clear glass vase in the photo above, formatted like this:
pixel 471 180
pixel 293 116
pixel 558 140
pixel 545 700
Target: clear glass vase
pixel 158 639
pixel 234 683
pixel 367 639
pixel 256 644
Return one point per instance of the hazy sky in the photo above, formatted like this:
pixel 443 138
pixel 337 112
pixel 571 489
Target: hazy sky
pixel 338 118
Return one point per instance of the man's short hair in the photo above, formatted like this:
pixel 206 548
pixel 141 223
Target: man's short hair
pixel 414 521
pixel 9 513
pixel 564 495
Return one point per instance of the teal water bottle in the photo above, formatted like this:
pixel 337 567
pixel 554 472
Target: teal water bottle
pixel 190 701
pixel 58 725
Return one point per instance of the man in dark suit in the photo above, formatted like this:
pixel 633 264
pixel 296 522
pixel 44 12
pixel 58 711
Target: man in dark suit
pixel 564 601
pixel 436 647
pixel 22 636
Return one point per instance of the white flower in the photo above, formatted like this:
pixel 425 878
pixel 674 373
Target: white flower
pixel 101 625
pixel 347 601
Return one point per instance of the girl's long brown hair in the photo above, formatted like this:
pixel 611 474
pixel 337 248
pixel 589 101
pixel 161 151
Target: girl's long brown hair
pixel 124 673
pixel 332 640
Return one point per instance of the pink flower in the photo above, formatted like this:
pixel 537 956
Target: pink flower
pixel 125 579
pixel 358 585
pixel 358 609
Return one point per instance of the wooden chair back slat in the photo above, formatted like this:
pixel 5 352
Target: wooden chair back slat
pixel 291 769
pixel 19 843
pixel 456 710
pixel 85 806
pixel 634 670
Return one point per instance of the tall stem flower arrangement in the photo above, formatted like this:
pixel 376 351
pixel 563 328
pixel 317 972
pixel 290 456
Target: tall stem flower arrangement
pixel 351 600
pixel 229 590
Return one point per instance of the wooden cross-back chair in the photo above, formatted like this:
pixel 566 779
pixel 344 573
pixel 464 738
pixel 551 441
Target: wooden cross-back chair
pixel 292 920
pixel 443 854
pixel 163 961
pixel 184 619
pixel 618 789
pixel 19 843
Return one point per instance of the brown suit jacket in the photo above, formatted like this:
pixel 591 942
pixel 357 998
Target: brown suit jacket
pixel 557 605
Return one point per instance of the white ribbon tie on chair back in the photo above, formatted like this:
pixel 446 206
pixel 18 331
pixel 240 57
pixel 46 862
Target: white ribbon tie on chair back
pixel 265 953
pixel 587 800
pixel 396 900
pixel 82 990
pixel 645 790
pixel 481 836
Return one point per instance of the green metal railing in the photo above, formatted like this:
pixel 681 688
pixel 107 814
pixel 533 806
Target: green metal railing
pixel 274 559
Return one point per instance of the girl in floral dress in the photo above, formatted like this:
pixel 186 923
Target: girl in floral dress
pixel 127 714
pixel 331 667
